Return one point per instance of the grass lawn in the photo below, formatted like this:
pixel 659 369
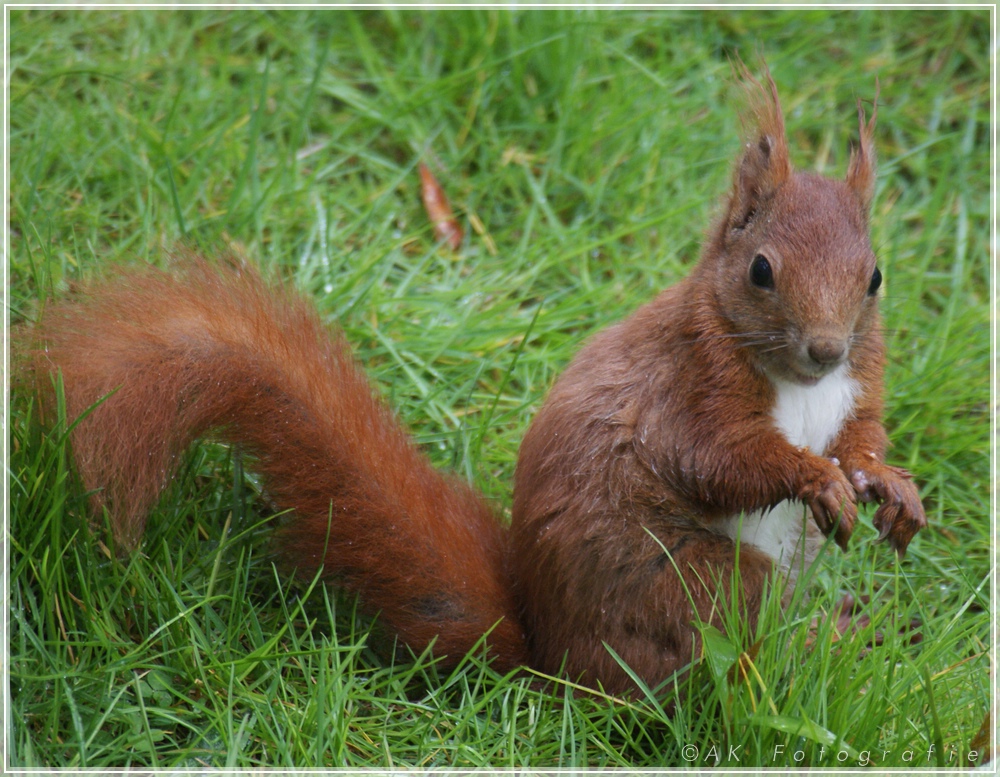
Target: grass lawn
pixel 585 152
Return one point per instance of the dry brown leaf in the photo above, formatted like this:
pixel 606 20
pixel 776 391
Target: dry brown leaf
pixel 439 209
pixel 982 743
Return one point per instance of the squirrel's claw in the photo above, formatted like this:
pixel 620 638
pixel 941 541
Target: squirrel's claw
pixel 832 503
pixel 901 514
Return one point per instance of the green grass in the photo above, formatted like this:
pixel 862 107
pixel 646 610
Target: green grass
pixel 592 148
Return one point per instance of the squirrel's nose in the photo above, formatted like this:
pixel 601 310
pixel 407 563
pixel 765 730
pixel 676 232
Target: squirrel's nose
pixel 827 350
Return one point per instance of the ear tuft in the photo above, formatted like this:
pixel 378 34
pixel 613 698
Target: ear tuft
pixel 861 168
pixel 764 165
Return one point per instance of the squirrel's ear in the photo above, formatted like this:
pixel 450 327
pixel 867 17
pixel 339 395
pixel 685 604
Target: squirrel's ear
pixel 861 168
pixel 764 165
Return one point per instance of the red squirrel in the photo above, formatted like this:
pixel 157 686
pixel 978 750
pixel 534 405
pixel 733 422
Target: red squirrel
pixel 723 428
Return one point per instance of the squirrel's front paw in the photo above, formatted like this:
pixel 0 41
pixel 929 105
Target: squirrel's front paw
pixel 901 514
pixel 831 498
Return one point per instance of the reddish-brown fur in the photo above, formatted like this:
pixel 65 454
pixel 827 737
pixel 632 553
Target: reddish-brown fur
pixel 212 348
pixel 662 426
pixel 659 430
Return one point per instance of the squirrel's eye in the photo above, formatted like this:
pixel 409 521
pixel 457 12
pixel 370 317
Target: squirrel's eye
pixel 876 282
pixel 761 274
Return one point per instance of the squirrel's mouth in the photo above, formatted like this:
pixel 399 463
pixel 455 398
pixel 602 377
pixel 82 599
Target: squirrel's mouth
pixel 807 380
pixel 806 374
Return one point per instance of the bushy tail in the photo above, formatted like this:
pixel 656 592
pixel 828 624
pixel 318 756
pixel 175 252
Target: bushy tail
pixel 213 348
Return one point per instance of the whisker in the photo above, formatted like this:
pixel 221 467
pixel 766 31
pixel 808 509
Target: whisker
pixel 750 338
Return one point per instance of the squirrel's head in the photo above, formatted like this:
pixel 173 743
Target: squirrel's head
pixel 790 262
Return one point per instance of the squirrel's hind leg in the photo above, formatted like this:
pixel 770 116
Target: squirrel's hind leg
pixel 646 604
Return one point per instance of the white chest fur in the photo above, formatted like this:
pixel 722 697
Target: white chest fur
pixel 811 417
